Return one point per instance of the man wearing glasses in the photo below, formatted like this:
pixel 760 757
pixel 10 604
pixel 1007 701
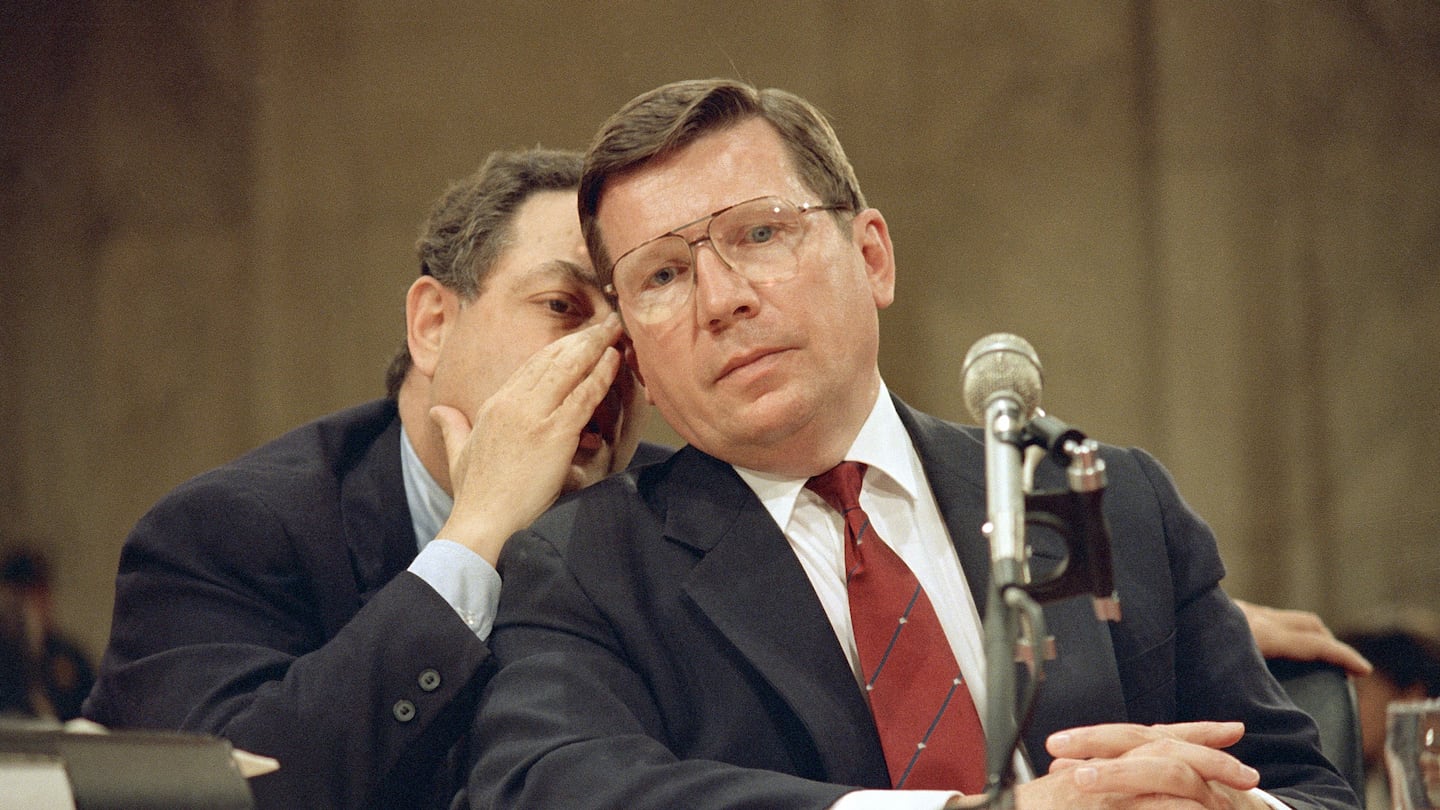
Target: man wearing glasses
pixel 723 629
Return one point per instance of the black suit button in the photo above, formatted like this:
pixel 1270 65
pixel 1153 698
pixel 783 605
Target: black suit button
pixel 404 711
pixel 429 680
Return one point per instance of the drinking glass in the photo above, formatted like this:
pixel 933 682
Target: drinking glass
pixel 1412 753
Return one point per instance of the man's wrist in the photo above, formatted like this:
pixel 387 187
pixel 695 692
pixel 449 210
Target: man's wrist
pixel 464 579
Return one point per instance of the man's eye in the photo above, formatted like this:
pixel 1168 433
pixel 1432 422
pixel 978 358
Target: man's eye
pixel 760 234
pixel 663 277
pixel 562 306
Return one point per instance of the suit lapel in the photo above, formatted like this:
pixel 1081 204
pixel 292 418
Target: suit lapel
pixel 750 585
pixel 372 501
pixel 349 521
pixel 374 515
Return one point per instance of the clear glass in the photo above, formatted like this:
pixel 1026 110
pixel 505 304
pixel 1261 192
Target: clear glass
pixel 1412 753
pixel 756 238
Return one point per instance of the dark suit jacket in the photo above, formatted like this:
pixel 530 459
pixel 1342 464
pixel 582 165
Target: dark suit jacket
pixel 267 601
pixel 662 647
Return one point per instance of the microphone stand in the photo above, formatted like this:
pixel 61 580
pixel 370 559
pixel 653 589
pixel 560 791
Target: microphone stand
pixel 1014 625
pixel 1005 528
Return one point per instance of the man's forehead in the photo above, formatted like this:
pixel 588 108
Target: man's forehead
pixel 559 271
pixel 716 170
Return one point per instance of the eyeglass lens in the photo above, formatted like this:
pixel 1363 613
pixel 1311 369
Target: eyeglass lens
pixel 756 239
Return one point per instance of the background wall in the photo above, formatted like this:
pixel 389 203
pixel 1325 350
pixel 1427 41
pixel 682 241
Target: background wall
pixel 1217 221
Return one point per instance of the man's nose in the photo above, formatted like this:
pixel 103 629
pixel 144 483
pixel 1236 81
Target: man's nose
pixel 722 294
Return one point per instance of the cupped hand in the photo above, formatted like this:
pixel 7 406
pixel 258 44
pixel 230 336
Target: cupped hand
pixel 508 462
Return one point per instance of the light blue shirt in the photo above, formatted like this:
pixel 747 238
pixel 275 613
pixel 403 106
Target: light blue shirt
pixel 463 578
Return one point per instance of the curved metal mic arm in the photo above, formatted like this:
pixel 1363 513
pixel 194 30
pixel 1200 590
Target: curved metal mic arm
pixel 1014 636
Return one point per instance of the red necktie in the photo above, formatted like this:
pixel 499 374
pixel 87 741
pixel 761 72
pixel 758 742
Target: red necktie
pixel 928 725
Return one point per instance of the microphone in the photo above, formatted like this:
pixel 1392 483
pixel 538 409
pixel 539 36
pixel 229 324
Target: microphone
pixel 1001 364
pixel 1001 383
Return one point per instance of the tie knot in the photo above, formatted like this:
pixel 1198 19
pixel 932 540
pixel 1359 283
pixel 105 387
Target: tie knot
pixel 839 486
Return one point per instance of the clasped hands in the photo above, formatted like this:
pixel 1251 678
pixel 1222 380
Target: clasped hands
pixel 1122 765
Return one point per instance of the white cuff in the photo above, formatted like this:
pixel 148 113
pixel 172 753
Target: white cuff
pixel 895 800
pixel 1268 799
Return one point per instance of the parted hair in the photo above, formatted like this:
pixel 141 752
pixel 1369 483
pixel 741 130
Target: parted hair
pixel 470 225
pixel 661 121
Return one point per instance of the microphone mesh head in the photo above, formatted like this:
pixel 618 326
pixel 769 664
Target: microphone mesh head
pixel 998 363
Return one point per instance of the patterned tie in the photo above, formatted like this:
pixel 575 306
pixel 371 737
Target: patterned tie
pixel 928 725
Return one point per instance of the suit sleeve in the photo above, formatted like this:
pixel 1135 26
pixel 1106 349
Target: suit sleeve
pixel 568 722
pixel 223 626
pixel 1218 672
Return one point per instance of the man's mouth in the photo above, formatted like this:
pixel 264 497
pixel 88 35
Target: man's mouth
pixel 604 424
pixel 740 361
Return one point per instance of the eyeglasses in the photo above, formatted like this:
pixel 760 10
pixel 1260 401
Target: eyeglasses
pixel 757 238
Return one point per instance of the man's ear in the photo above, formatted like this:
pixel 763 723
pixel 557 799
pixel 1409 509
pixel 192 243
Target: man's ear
pixel 627 356
pixel 430 308
pixel 872 236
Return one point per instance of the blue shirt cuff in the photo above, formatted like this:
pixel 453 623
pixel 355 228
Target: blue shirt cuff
pixel 464 579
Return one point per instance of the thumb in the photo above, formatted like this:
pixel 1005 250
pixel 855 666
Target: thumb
pixel 454 429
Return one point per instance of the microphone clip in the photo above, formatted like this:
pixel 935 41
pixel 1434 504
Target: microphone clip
pixel 1075 514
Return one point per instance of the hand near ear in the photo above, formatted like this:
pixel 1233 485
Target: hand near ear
pixel 509 465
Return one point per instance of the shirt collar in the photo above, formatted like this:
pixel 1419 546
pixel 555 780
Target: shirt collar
pixel 429 503
pixel 883 445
